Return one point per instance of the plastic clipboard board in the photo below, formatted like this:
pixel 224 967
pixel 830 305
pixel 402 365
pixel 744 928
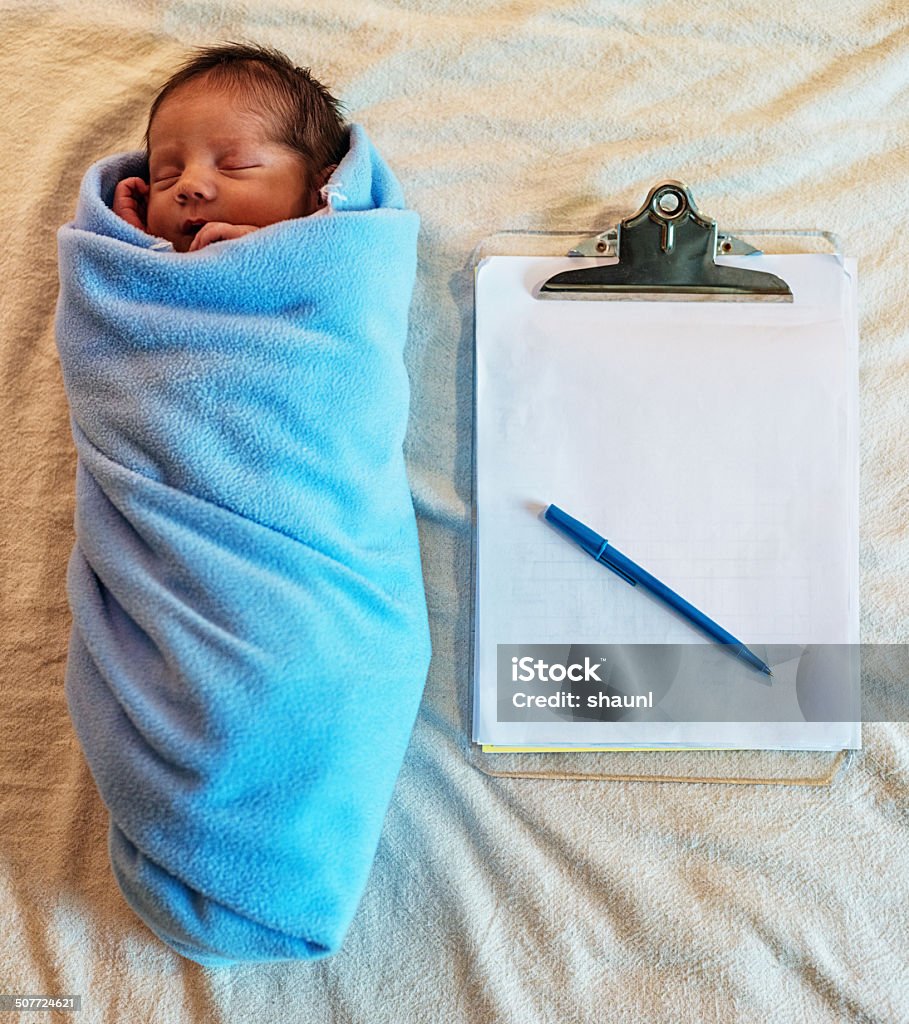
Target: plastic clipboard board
pixel 795 767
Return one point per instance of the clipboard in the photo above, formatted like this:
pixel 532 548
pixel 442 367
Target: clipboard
pixel 719 320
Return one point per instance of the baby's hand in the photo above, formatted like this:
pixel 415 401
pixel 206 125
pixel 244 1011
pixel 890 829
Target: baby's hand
pixel 219 231
pixel 131 201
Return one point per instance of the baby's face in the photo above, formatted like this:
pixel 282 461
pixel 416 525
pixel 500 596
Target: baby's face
pixel 212 161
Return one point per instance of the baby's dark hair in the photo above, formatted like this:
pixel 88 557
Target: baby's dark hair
pixel 307 117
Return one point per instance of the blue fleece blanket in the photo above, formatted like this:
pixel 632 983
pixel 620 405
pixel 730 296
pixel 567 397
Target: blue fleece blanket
pixel 250 638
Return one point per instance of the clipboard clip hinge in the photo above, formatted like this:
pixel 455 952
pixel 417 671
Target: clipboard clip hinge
pixel 607 244
pixel 666 250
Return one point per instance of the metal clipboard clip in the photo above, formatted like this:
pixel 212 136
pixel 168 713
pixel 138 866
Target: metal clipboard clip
pixel 666 251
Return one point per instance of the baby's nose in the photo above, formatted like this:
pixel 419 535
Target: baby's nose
pixel 195 184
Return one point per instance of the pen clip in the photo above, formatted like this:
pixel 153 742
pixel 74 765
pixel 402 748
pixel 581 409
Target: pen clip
pixel 603 560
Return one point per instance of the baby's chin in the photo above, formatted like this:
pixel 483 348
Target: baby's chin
pixel 180 240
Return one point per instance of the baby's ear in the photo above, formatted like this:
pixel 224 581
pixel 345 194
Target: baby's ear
pixel 324 175
pixel 319 182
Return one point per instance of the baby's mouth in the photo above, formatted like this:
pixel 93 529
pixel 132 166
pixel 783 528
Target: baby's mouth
pixel 193 227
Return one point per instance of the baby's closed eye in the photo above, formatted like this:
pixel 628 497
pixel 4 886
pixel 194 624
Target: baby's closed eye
pixel 165 179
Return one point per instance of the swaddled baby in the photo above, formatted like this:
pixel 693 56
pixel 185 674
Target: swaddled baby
pixel 238 138
pixel 250 637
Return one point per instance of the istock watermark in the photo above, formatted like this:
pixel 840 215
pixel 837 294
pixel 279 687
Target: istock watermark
pixel 702 682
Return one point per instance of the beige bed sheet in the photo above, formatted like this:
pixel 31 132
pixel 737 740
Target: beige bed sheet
pixel 492 899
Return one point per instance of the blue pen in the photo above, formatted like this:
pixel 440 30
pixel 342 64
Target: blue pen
pixel 598 548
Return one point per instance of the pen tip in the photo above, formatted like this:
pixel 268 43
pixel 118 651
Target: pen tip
pixel 536 508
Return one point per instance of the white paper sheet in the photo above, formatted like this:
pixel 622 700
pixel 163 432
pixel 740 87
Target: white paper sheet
pixel 715 444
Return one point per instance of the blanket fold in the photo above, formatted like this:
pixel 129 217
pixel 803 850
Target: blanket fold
pixel 250 638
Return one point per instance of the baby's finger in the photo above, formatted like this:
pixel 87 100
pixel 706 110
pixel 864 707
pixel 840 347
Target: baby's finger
pixel 130 201
pixel 137 186
pixel 211 232
pixel 132 190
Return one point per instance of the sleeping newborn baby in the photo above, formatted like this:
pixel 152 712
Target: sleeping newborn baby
pixel 250 638
pixel 237 139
